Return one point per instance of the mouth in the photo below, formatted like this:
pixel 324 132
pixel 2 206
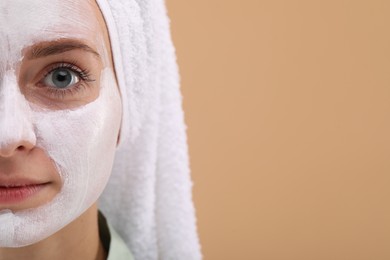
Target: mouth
pixel 11 193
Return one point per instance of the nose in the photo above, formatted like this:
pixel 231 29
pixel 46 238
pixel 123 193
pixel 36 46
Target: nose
pixel 13 148
pixel 16 128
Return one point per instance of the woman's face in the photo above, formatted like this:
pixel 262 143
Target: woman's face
pixel 60 114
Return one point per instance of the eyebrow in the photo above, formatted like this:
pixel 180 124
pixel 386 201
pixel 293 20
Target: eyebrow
pixel 44 50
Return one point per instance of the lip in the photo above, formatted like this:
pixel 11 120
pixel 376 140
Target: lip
pixel 16 192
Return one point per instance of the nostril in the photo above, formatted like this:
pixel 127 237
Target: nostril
pixel 11 150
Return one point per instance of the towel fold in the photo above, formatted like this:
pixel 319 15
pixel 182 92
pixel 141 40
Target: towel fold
pixel 148 199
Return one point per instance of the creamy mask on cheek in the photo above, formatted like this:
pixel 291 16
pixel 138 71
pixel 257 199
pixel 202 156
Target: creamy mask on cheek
pixel 81 141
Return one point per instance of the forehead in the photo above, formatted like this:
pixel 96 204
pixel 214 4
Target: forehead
pixel 23 23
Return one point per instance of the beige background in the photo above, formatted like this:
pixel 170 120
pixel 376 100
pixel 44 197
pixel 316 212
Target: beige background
pixel 288 106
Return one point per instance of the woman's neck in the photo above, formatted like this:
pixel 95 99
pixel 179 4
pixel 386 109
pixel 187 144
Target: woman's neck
pixel 78 240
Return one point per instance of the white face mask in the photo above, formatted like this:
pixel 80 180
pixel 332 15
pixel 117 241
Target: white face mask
pixel 80 141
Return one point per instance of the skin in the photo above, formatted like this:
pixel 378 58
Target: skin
pixel 80 238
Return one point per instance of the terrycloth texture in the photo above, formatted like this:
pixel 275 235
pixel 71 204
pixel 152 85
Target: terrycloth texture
pixel 149 197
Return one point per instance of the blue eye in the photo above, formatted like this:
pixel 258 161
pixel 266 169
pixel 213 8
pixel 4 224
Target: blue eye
pixel 61 78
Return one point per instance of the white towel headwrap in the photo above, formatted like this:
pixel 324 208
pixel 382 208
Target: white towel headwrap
pixel 149 197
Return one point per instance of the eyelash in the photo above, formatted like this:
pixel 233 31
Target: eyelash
pixel 83 74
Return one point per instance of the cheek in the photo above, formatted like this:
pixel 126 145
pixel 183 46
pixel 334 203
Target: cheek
pixel 82 142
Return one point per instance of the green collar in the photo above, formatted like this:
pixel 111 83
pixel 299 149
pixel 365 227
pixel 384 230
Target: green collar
pixel 112 242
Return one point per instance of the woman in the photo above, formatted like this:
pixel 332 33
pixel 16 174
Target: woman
pixel 83 82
